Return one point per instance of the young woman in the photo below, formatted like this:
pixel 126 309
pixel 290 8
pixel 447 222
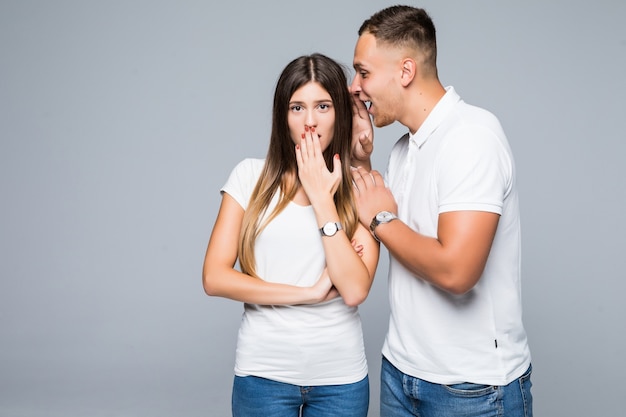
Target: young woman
pixel 305 261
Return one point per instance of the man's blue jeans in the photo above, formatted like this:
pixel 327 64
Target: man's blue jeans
pixel 403 395
pixel 260 397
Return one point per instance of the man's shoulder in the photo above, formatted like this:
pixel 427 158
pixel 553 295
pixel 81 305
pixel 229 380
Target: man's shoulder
pixel 471 114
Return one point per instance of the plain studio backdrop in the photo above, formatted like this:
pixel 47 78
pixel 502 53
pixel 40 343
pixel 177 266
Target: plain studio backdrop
pixel 120 121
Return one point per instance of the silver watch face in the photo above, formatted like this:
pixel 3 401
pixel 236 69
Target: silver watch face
pixel 384 216
pixel 330 229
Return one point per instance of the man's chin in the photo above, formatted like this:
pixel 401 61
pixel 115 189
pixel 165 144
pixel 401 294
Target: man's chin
pixel 381 122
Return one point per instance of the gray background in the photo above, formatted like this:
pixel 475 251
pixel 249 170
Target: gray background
pixel 120 120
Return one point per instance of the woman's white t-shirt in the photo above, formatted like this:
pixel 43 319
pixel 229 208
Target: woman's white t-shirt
pixel 318 344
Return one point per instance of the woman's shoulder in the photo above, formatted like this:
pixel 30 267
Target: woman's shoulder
pixel 250 165
pixel 245 174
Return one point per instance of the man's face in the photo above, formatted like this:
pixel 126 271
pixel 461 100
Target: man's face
pixel 376 82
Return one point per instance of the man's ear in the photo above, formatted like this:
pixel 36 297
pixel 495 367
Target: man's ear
pixel 409 69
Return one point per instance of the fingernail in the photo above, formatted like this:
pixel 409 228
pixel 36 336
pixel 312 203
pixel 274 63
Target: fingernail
pixel 306 128
pixel 312 129
pixel 303 136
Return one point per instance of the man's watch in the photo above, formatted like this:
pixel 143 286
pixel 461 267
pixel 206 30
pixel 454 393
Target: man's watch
pixel 380 218
pixel 330 228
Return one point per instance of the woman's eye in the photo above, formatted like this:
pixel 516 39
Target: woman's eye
pixel 324 107
pixel 296 108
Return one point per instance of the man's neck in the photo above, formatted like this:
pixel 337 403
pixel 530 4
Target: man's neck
pixel 420 101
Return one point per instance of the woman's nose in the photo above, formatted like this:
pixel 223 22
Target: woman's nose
pixel 311 120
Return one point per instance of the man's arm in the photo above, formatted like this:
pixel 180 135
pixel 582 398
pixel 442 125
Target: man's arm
pixel 453 261
pixel 456 259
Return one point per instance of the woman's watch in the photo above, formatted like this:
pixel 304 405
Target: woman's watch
pixel 330 228
pixel 380 218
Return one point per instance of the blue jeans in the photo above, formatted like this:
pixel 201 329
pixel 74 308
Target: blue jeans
pixel 404 395
pixel 260 397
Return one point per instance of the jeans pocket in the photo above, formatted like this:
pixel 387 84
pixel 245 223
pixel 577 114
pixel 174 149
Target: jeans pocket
pixel 468 389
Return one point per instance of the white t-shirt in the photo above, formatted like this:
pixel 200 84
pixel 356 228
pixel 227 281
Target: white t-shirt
pixel 318 344
pixel 459 159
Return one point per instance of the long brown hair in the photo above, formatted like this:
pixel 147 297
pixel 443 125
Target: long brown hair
pixel 280 162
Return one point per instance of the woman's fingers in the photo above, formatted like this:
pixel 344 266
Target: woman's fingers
pixel 310 145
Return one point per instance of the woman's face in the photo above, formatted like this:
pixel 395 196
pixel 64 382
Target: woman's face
pixel 311 106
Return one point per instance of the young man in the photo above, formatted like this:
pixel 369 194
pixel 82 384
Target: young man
pixel 449 217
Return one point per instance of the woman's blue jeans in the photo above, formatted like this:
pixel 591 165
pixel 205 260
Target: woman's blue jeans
pixel 403 395
pixel 260 397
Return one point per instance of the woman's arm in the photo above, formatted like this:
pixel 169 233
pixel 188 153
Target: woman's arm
pixel 221 279
pixel 352 274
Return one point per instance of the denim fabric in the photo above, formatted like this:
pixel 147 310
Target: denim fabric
pixel 260 397
pixel 403 395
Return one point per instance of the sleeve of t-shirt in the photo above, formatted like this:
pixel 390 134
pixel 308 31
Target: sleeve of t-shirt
pixel 242 180
pixel 474 171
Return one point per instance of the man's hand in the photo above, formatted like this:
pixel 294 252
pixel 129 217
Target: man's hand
pixel 362 135
pixel 371 194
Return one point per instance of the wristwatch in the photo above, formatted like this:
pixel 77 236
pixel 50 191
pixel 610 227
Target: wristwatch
pixel 330 228
pixel 380 218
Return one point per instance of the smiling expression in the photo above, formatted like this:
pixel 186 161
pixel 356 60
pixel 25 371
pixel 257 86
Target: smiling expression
pixel 376 80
